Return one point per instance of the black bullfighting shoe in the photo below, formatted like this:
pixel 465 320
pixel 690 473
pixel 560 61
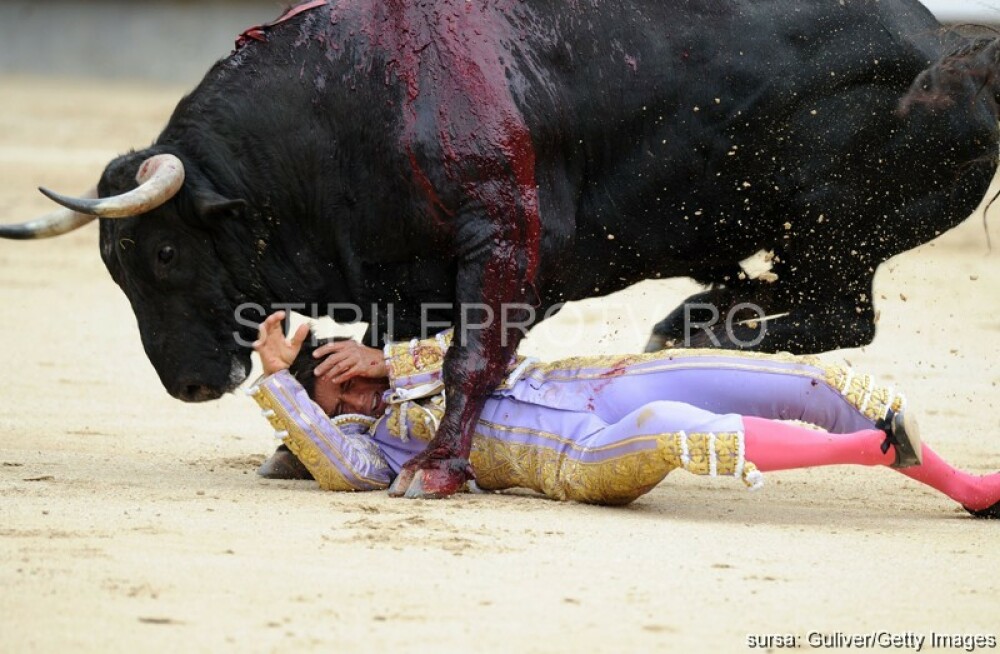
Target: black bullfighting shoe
pixel 902 434
pixel 989 513
pixel 283 465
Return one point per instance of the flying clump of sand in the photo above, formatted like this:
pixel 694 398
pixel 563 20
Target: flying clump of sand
pixel 131 521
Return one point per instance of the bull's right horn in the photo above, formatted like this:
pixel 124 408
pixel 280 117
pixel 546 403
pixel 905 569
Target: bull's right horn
pixel 160 178
pixel 56 223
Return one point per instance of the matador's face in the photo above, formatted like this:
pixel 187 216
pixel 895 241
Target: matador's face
pixel 359 395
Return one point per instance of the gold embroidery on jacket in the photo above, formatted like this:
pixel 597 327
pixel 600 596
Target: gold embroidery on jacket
pixel 406 358
pixel 416 418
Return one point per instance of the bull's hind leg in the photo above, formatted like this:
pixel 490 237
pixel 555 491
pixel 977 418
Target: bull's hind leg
pixel 865 187
pixel 698 309
pixel 824 286
pixel 818 303
pixel 732 300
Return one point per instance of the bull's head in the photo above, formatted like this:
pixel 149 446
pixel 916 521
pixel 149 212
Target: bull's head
pixel 158 238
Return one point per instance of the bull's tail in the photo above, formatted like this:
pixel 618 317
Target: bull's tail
pixel 977 62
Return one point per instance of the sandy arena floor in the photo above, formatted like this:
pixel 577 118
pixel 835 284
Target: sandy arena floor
pixel 132 522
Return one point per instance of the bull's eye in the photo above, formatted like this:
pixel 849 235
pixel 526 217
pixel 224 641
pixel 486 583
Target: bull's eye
pixel 166 254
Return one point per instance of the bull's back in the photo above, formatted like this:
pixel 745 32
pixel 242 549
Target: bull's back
pixel 618 60
pixel 670 111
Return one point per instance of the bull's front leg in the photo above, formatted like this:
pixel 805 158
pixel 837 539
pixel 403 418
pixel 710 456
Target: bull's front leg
pixel 492 283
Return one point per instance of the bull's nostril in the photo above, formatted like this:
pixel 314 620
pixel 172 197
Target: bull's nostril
pixel 198 393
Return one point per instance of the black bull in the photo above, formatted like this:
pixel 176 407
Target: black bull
pixel 515 154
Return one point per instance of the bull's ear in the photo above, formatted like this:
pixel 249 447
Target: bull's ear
pixel 213 207
pixel 218 208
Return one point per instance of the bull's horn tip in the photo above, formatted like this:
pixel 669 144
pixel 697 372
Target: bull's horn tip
pixel 80 205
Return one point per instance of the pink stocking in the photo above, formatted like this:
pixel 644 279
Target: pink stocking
pixel 772 445
pixel 976 492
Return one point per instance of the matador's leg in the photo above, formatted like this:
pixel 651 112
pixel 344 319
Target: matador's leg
pixel 572 455
pixel 979 494
pixel 519 446
pixel 780 387
pixel 775 445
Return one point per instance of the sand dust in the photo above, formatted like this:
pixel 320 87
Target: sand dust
pixel 132 522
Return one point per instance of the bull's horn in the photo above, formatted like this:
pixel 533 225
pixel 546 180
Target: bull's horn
pixel 52 224
pixel 160 178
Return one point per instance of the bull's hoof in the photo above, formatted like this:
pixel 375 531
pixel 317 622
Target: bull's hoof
pixel 283 465
pixel 431 480
pixel 989 513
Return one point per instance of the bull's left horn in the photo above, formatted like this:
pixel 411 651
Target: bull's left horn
pixel 160 178
pixel 52 224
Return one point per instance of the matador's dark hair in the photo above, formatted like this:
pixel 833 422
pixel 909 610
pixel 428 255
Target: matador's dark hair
pixel 304 365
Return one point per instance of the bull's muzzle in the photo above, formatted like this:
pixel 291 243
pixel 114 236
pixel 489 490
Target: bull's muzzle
pixel 196 393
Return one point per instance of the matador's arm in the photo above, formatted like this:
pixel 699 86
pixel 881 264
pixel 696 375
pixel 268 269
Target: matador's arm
pixel 339 453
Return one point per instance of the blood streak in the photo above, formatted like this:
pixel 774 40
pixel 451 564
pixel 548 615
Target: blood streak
pixel 453 59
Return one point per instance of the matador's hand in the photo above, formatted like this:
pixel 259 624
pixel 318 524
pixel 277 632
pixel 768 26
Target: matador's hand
pixel 277 353
pixel 348 359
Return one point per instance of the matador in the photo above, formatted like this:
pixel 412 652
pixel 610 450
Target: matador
pixel 601 430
